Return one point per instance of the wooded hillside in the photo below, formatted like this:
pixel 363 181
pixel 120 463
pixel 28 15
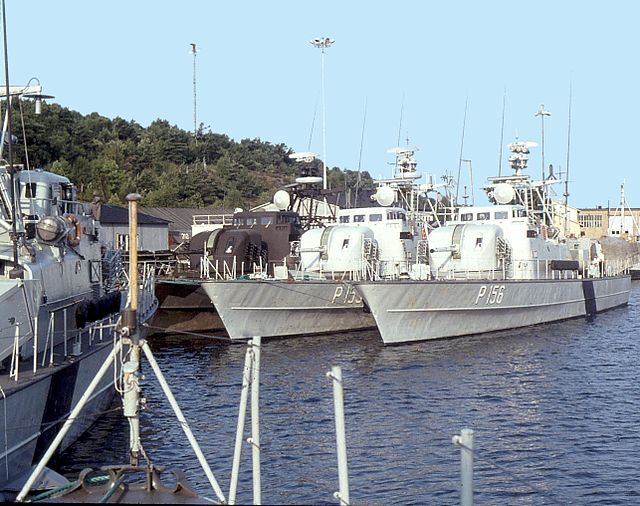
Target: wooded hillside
pixel 166 165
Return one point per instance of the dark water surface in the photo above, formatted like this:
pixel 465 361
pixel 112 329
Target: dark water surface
pixel 556 407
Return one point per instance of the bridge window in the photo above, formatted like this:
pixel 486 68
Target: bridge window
pixel 375 217
pixel 286 218
pixel 266 220
pixel 345 219
pixel 396 215
pixel 502 215
pixel 519 213
pixel 483 216
pixel 466 217
pixel 358 218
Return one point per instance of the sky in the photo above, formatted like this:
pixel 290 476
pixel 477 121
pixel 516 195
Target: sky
pixel 399 73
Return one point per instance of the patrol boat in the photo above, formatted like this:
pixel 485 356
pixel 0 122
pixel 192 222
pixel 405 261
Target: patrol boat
pixel 61 290
pixel 379 241
pixel 499 267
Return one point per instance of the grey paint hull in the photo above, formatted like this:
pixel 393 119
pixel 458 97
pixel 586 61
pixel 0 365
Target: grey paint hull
pixel 277 308
pixel 417 310
pixel 35 408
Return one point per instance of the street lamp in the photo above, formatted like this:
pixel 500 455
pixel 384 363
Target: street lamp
pixel 322 44
pixel 542 113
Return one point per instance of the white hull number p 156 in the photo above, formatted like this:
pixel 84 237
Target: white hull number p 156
pixel 490 294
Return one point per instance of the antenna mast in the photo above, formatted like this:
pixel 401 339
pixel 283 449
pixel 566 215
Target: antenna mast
pixel 400 123
pixel 17 272
pixel 504 104
pixel 464 124
pixel 542 113
pixel 566 181
pixel 364 121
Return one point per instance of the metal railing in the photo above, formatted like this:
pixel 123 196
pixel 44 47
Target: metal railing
pixel 212 219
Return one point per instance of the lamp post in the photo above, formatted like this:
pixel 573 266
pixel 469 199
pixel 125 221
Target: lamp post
pixel 194 51
pixel 542 113
pixel 322 43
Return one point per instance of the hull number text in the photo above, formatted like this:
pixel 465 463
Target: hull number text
pixel 490 294
pixel 346 295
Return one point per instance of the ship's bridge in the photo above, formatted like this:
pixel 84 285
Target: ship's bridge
pixel 500 214
pixel 373 215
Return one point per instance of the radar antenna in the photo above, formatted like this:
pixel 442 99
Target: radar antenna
pixel 520 155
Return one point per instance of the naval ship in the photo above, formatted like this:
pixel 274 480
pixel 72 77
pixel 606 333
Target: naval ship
pixel 497 267
pixel 308 292
pixel 61 291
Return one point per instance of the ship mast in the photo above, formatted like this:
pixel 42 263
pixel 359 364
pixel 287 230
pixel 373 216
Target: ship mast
pixel 17 272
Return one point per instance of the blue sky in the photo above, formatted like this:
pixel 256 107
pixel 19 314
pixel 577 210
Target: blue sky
pixel 258 77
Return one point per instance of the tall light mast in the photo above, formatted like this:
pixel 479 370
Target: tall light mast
pixel 194 51
pixel 322 43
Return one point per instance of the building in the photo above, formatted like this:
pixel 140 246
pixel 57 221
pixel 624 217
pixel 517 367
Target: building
pixel 604 221
pixel 185 222
pixel 153 233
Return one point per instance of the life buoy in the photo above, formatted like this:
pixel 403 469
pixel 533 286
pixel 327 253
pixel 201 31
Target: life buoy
pixel 75 234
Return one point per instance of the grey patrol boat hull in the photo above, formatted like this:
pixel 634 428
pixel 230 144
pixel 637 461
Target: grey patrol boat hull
pixel 269 308
pixel 408 311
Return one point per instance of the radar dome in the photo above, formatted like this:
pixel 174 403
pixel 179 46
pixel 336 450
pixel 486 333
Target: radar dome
pixel 385 196
pixel 503 193
pixel 281 199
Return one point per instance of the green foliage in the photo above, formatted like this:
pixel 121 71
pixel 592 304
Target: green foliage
pixel 166 165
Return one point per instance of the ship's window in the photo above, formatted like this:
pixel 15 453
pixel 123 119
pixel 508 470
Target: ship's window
pixel 502 215
pixel 375 217
pixel 344 219
pixel 285 218
pixel 238 221
pixel 478 242
pixel 266 220
pixel 483 216
pixel 30 190
pixel 396 215
pixel 519 213
pixel 466 217
pixel 345 243
pixel 252 221
pixel 358 218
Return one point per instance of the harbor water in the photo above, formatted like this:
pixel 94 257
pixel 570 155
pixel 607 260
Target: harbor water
pixel 555 410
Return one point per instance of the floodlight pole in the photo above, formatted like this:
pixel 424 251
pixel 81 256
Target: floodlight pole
pixel 194 52
pixel 322 44
pixel 542 113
